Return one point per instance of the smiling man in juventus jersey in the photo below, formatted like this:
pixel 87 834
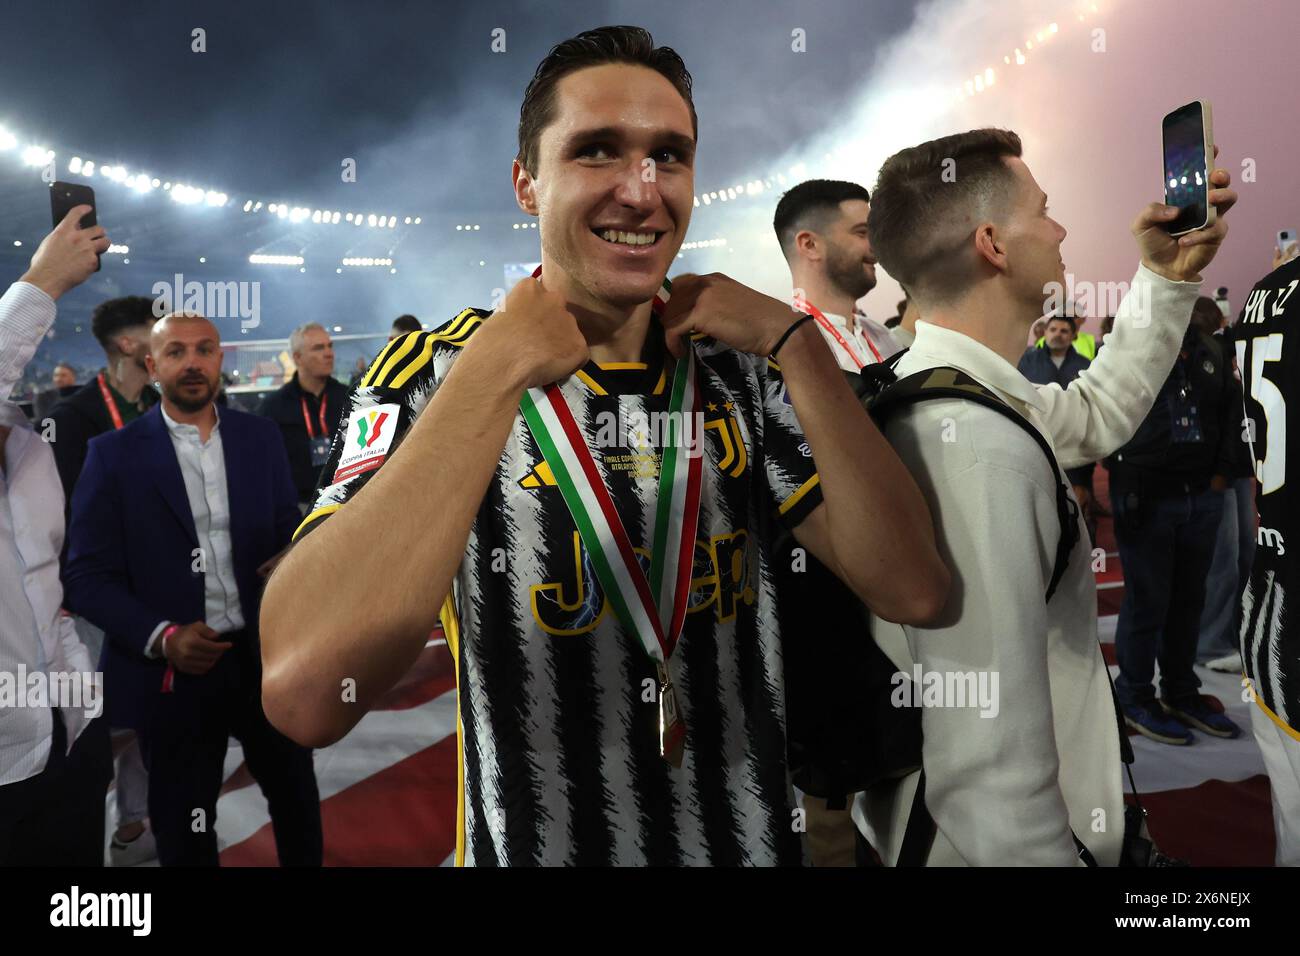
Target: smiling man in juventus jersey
pixel 527 524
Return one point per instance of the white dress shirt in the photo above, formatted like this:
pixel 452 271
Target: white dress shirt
pixel 34 635
pixel 1009 789
pixel 203 467
pixel 867 340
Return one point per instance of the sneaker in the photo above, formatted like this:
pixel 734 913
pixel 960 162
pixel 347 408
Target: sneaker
pixel 133 852
pixel 1150 721
pixel 1205 713
pixel 1227 664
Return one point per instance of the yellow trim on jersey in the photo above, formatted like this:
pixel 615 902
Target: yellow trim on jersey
pixel 1286 728
pixel 426 354
pixel 451 628
pixel 617 366
pixel 383 357
pixel 404 345
pixel 457 331
pixel 773 366
pixel 795 498
pixel 318 513
pixel 590 382
pixel 659 386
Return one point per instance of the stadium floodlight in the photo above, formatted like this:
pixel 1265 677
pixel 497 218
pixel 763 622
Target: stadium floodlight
pixel 259 259
pixel 248 205
pixel 155 183
pixel 142 183
pixel 417 220
pixel 334 219
pixel 348 217
pixel 37 155
pixel 392 221
pixel 257 205
pixel 7 139
pixel 370 219
pixel 408 220
pixel 315 216
pixel 88 168
pixel 74 164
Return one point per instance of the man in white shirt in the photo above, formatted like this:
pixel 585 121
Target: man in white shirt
pixel 1008 781
pixel 55 762
pixel 822 227
pixel 175 521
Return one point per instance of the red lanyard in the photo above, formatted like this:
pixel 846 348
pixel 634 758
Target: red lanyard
pixel 804 306
pixel 113 413
pixel 324 403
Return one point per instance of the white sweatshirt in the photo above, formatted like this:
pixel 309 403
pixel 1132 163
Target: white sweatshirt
pixel 1007 789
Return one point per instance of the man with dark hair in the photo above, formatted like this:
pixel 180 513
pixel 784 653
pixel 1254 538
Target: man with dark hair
pixel 1166 491
pixel 402 325
pixel 822 227
pixel 1056 360
pixel 963 225
pixel 513 470
pixel 113 399
pixel 117 396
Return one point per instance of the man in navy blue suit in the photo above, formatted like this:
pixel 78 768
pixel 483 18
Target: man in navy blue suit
pixel 176 520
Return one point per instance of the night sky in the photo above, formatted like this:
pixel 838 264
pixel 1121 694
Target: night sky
pixel 414 93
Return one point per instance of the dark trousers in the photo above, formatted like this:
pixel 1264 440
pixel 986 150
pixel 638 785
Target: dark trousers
pixel 56 818
pixel 184 748
pixel 1166 546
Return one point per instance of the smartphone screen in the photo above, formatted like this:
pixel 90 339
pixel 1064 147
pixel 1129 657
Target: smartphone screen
pixel 64 197
pixel 1187 183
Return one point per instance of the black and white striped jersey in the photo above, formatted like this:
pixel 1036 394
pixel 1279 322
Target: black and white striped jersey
pixel 1268 356
pixel 559 759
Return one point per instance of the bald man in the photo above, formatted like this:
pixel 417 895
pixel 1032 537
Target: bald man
pixel 175 521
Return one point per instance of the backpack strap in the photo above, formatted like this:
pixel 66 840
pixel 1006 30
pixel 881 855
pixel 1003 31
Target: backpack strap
pixel 950 383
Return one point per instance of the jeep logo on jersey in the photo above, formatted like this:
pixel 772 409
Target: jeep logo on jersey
pixel 369 434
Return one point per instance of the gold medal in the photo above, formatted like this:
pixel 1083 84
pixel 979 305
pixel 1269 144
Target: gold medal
pixel 672 729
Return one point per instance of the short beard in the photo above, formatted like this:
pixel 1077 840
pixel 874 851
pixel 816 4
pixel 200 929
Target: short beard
pixel 850 278
pixel 188 405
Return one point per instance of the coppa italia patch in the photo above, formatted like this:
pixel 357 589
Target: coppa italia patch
pixel 365 446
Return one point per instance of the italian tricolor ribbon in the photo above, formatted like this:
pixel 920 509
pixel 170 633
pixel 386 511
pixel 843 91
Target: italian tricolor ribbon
pixel 653 607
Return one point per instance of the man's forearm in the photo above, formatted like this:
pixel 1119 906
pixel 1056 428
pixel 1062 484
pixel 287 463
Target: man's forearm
pixel 879 527
pixel 358 598
pixel 26 314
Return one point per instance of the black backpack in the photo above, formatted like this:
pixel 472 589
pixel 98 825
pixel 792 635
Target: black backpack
pixel 844 733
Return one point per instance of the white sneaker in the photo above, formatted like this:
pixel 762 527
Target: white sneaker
pixel 1227 664
pixel 137 851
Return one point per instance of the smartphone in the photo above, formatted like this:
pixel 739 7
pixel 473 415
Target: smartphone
pixel 64 197
pixel 1285 238
pixel 1188 137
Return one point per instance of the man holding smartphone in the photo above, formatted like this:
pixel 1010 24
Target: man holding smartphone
pixel 55 764
pixel 1035 781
